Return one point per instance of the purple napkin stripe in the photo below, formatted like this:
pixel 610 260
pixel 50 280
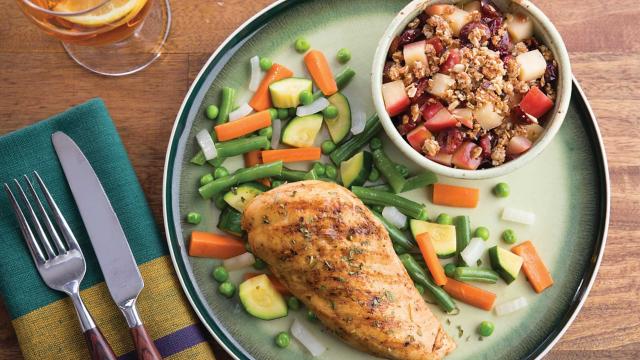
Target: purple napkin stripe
pixel 175 342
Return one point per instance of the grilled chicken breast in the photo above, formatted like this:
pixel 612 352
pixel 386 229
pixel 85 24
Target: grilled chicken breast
pixel 332 253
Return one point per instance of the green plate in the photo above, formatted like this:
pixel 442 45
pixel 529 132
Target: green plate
pixel 567 187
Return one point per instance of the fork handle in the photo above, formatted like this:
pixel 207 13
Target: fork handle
pixel 98 346
pixel 144 344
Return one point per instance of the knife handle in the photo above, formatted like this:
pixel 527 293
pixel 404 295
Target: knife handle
pixel 144 344
pixel 98 346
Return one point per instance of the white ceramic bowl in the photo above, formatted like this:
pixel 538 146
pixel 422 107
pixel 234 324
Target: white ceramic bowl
pixel 544 31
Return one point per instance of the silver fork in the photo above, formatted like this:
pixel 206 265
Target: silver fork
pixel 61 269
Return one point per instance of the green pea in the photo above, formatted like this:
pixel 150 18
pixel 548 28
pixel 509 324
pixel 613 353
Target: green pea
pixel 205 179
pixel 331 171
pixel 265 63
pixel 486 328
pixel 482 232
pixel 444 219
pixel 402 169
pixel 194 218
pixel 274 113
pixel 327 147
pixel 330 112
pixel 319 168
pixel 293 303
pixel 220 203
pixel 344 55
pixel 259 264
pixel 220 172
pixel 276 183
pixel 268 132
pixel 306 97
pixel 502 190
pixel 220 274
pixel 375 143
pixel 420 288
pixel 283 340
pixel 311 316
pixel 227 289
pixel 374 175
pixel 449 269
pixel 509 236
pixel 302 45
pixel 212 112
pixel 283 114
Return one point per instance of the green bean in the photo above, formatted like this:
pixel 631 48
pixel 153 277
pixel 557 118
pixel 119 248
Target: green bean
pixel 342 80
pixel 311 175
pixel 422 278
pixel 389 171
pixel 396 235
pixel 353 145
pixel 236 147
pixel 475 274
pixel 194 218
pixel 292 175
pixel 463 235
pixel 254 173
pixel 399 250
pixel 402 170
pixel 199 159
pixel 374 197
pixel 419 181
pixel 217 162
pixel 380 187
pixel 226 104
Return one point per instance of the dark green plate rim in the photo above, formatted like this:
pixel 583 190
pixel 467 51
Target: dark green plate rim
pixel 215 62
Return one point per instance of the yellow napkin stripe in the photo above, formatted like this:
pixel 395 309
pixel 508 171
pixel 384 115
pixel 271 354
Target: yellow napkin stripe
pixel 200 351
pixel 53 331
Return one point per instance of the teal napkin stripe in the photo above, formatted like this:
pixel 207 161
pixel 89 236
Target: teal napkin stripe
pixel 29 149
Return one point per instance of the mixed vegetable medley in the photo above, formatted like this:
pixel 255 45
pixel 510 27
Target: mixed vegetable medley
pixel 469 86
pixel 281 124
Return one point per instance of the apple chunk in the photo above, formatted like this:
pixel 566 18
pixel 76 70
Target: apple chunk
pixel 487 117
pixel 465 116
pixel 463 157
pixel 519 26
pixel 440 83
pixel 457 19
pixel 395 97
pixel 534 131
pixel 532 65
pixel 414 53
pixel 472 6
pixel 418 136
pixel 536 103
pixel 518 145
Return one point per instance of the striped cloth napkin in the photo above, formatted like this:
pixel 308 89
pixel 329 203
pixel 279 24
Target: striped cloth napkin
pixel 44 320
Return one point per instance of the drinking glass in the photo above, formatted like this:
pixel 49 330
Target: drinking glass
pixel 108 37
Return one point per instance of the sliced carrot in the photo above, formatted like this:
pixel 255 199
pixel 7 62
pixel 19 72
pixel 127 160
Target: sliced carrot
pixel 430 257
pixel 244 126
pixel 320 71
pixel 274 281
pixel 457 196
pixel 253 158
pixel 533 267
pixel 204 244
pixel 292 155
pixel 471 295
pixel 262 99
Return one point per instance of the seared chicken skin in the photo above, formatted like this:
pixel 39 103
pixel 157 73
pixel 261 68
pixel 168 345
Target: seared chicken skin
pixel 332 253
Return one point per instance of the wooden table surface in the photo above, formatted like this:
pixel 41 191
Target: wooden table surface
pixel 37 79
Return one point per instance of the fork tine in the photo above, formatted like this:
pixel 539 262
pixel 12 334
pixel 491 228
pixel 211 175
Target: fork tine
pixel 44 239
pixel 72 243
pixel 34 249
pixel 47 220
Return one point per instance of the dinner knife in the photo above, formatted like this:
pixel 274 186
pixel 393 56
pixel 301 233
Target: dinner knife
pixel 108 239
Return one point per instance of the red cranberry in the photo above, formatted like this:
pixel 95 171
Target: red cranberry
pixel 532 43
pixel 410 36
pixel 551 74
pixel 467 29
pixel 385 72
pixel 503 45
pixel 421 92
pixel 518 115
pixel 489 10
pixel 450 140
pixel 485 144
pixel 395 45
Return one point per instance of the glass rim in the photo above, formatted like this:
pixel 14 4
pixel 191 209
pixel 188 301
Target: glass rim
pixel 37 7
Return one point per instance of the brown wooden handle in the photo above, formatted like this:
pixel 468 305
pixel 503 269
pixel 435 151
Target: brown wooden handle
pixel 145 347
pixel 98 345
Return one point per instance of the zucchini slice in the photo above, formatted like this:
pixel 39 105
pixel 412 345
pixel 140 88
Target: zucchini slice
pixel 286 93
pixel 302 131
pixel 505 263
pixel 239 196
pixel 260 298
pixel 229 221
pixel 355 171
pixel 340 126
pixel 443 237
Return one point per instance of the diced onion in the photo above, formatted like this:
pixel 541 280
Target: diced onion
pixel 240 112
pixel 473 251
pixel 511 306
pixel 314 107
pixel 239 262
pixel 306 338
pixel 518 216
pixel 256 73
pixel 276 125
pixel 394 216
pixel 358 122
pixel 206 144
